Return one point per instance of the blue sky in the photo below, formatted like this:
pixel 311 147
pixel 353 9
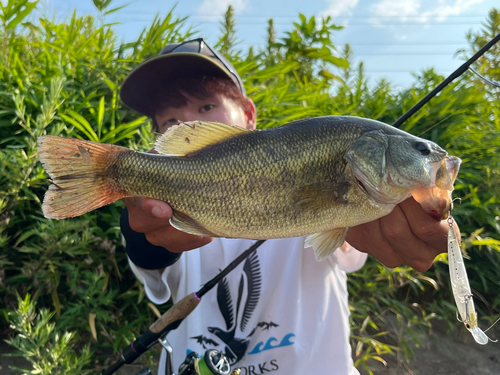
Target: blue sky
pixel 392 37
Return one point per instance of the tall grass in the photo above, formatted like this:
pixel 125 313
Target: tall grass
pixel 62 78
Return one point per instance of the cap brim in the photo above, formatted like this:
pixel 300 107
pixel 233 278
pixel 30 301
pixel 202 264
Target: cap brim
pixel 145 81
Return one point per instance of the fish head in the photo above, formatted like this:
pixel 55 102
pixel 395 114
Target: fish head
pixel 392 167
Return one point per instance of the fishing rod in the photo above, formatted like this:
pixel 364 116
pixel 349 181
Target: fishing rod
pixel 171 319
pixel 457 73
pixel 174 316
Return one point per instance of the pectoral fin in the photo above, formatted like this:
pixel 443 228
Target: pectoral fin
pixel 317 195
pixel 325 243
pixel 186 224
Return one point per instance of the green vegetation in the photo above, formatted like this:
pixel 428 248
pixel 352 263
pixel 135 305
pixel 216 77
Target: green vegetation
pixel 62 78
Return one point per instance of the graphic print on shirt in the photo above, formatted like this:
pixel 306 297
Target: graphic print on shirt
pixel 233 340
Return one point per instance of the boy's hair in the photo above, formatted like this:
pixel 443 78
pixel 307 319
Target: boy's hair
pixel 198 86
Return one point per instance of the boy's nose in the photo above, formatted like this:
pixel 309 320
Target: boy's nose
pixel 188 115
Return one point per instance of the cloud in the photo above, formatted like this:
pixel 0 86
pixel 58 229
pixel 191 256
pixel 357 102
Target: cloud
pixel 443 10
pixel 210 10
pixel 404 9
pixel 396 8
pixel 339 8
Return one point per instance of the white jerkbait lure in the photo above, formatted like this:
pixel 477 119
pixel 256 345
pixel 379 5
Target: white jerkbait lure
pixel 461 288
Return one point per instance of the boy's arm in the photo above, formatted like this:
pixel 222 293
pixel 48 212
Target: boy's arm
pixel 141 252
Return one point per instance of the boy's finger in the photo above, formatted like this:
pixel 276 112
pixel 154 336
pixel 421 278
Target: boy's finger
pixel 157 208
pixel 369 238
pixel 176 241
pixel 424 226
pixel 152 207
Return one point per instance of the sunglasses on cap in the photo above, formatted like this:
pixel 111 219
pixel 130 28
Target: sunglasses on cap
pixel 199 45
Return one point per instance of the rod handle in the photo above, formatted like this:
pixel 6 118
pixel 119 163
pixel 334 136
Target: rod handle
pixel 177 312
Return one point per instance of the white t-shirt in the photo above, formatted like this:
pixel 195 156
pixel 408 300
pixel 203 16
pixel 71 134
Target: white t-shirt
pixel 278 312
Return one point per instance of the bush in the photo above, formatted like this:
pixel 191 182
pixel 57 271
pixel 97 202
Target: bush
pixel 63 79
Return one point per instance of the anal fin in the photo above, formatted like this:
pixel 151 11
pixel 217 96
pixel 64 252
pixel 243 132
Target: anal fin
pixel 325 243
pixel 187 224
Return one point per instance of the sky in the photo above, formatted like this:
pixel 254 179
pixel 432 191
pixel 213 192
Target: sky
pixel 393 38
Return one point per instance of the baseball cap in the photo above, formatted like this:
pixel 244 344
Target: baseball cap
pixel 193 56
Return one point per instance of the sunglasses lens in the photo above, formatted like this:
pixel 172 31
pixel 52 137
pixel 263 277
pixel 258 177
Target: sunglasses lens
pixel 193 47
pixel 200 46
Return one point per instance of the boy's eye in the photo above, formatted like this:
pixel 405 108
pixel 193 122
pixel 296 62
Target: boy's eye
pixel 172 121
pixel 206 108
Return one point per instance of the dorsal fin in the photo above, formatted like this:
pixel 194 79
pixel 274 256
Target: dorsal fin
pixel 192 136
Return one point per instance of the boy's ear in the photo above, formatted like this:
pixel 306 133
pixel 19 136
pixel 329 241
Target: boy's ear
pixel 250 114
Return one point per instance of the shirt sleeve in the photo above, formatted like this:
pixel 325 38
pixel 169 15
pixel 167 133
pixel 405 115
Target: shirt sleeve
pixel 154 266
pixel 141 252
pixel 349 259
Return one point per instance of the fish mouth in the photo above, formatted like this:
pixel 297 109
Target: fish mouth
pixel 436 198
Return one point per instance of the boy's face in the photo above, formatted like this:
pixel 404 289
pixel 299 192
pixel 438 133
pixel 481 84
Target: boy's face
pixel 214 108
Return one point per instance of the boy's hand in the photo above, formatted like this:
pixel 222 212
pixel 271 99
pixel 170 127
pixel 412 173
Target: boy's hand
pixel 406 236
pixel 151 217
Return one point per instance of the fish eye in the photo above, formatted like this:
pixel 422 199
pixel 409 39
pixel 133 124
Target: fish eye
pixel 423 148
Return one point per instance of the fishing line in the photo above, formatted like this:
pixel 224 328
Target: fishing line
pixel 487 329
pixel 451 115
pixel 483 78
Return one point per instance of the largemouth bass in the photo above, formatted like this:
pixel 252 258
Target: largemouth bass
pixel 314 177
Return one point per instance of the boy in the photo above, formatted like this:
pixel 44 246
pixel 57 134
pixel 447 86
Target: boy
pixel 280 311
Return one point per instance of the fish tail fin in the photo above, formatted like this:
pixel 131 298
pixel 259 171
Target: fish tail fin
pixel 79 175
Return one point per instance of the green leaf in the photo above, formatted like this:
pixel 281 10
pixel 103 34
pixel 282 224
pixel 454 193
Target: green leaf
pixel 124 131
pixel 24 236
pixel 115 9
pixel 100 117
pixel 101 4
pixel 21 15
pixel 87 130
pixel 110 84
pixel 340 62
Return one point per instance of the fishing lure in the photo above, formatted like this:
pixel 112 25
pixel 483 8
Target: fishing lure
pixel 461 288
